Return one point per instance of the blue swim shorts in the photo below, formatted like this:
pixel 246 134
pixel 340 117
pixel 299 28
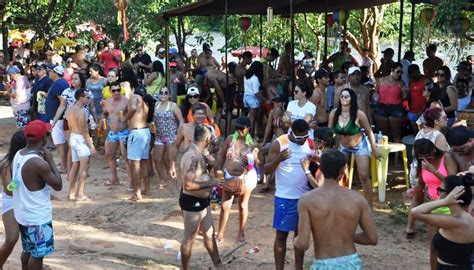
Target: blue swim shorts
pixel 349 262
pixel 37 240
pixel 138 144
pixel 285 217
pixel 251 101
pixel 117 136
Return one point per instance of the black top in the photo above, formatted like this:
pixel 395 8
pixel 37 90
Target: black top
pixel 144 59
pixel 444 98
pixel 453 253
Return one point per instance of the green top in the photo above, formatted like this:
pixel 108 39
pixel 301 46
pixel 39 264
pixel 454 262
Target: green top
pixel 350 129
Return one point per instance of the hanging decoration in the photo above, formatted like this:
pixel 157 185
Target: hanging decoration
pixel 459 27
pixel 340 17
pixel 427 16
pixel 122 6
pixel 245 23
pixel 269 14
pixel 330 20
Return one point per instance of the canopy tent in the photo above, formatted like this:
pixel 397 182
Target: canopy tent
pixel 217 7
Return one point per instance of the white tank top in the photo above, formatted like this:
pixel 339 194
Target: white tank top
pixel 29 207
pixel 290 179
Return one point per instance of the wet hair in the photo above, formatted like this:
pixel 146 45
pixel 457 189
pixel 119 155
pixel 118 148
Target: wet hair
pixel 431 115
pixel 354 107
pixel 466 181
pixel 458 136
pixel 425 147
pixel 198 107
pixel 157 66
pixel 116 83
pixel 17 142
pixel 128 75
pixel 396 65
pixel 150 102
pixel 300 125
pixel 201 133
pixel 256 68
pixel 80 93
pixel 447 72
pixel 332 161
pixel 326 135
pixel 97 68
pixel 82 78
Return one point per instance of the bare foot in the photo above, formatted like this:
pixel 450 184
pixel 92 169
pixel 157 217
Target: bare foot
pixel 112 183
pixel 135 198
pixel 82 198
pixel 241 238
pixel 71 197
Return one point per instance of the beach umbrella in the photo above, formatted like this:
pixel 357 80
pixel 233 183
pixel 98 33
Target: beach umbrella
pixel 39 45
pixel 63 41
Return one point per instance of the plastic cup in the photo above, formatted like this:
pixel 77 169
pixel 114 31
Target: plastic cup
pixel 407 196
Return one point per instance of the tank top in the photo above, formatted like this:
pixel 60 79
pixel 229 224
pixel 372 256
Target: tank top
pixel 446 102
pixel 431 135
pixel 432 182
pixel 452 252
pixel 390 94
pixel 156 85
pixel 166 122
pixel 290 179
pixel 30 207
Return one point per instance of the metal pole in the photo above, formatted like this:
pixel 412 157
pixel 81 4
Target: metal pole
pixel 261 34
pixel 325 32
pixel 167 47
pixel 400 32
pixel 412 25
pixel 292 19
pixel 228 113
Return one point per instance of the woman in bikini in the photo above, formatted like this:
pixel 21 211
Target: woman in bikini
pixel 238 157
pixel 355 136
pixel 10 225
pixel 167 119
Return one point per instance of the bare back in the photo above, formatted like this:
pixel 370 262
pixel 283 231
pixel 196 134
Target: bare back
pixel 77 120
pixel 194 159
pixel 335 214
pixel 116 109
pixel 140 112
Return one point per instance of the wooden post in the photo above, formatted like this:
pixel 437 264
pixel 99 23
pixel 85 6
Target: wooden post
pixel 292 21
pixel 400 32
pixel 412 24
pixel 228 114
pixel 167 53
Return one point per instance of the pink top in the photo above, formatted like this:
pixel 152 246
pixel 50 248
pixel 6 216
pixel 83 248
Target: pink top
pixel 109 61
pixel 433 182
pixel 390 94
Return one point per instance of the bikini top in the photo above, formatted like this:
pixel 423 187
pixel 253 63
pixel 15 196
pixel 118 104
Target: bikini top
pixel 349 129
pixel 231 153
pixel 451 252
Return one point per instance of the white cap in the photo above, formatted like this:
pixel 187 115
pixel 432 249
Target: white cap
pixel 59 70
pixel 352 70
pixel 162 50
pixel 193 90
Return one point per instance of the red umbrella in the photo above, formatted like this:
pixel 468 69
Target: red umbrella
pixel 255 50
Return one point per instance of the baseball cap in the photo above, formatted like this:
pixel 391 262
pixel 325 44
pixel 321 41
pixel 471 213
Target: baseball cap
pixel 36 129
pixel 193 90
pixel 58 70
pixel 352 70
pixel 42 66
pixel 13 69
pixel 173 51
pixel 173 64
pixel 242 122
pixel 161 50
pixel 460 135
pixel 321 73
pixel 389 50
pixel 69 60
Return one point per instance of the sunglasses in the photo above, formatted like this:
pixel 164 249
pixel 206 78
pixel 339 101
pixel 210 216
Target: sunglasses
pixel 440 74
pixel 240 128
pixel 440 189
pixel 115 90
pixel 345 97
pixel 194 96
pixel 300 138
pixel 164 93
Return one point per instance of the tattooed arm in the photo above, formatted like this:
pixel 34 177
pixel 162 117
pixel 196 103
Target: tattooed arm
pixel 190 167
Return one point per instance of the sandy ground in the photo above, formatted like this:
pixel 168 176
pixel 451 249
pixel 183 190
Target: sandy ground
pixel 110 232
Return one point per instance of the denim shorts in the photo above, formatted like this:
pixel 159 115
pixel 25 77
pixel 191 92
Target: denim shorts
pixel 362 149
pixel 37 240
pixel 387 110
pixel 285 217
pixel 251 101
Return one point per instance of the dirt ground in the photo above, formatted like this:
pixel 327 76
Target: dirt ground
pixel 110 232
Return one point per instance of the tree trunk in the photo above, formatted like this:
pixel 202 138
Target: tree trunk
pixel 3 11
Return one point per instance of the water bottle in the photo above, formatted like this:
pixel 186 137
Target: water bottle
pixel 379 137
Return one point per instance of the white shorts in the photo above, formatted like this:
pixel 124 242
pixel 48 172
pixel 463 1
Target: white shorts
pixel 79 147
pixel 57 134
pixel 7 203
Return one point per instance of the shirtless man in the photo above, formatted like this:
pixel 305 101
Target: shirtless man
pixel 205 60
pixel 241 69
pixel 319 97
pixel 461 140
pixel 138 143
pixel 194 199
pixel 217 79
pixel 332 214
pixel 116 107
pixel 81 144
pixel 361 91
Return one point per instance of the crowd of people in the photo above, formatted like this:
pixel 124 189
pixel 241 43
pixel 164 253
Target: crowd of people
pixel 215 130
